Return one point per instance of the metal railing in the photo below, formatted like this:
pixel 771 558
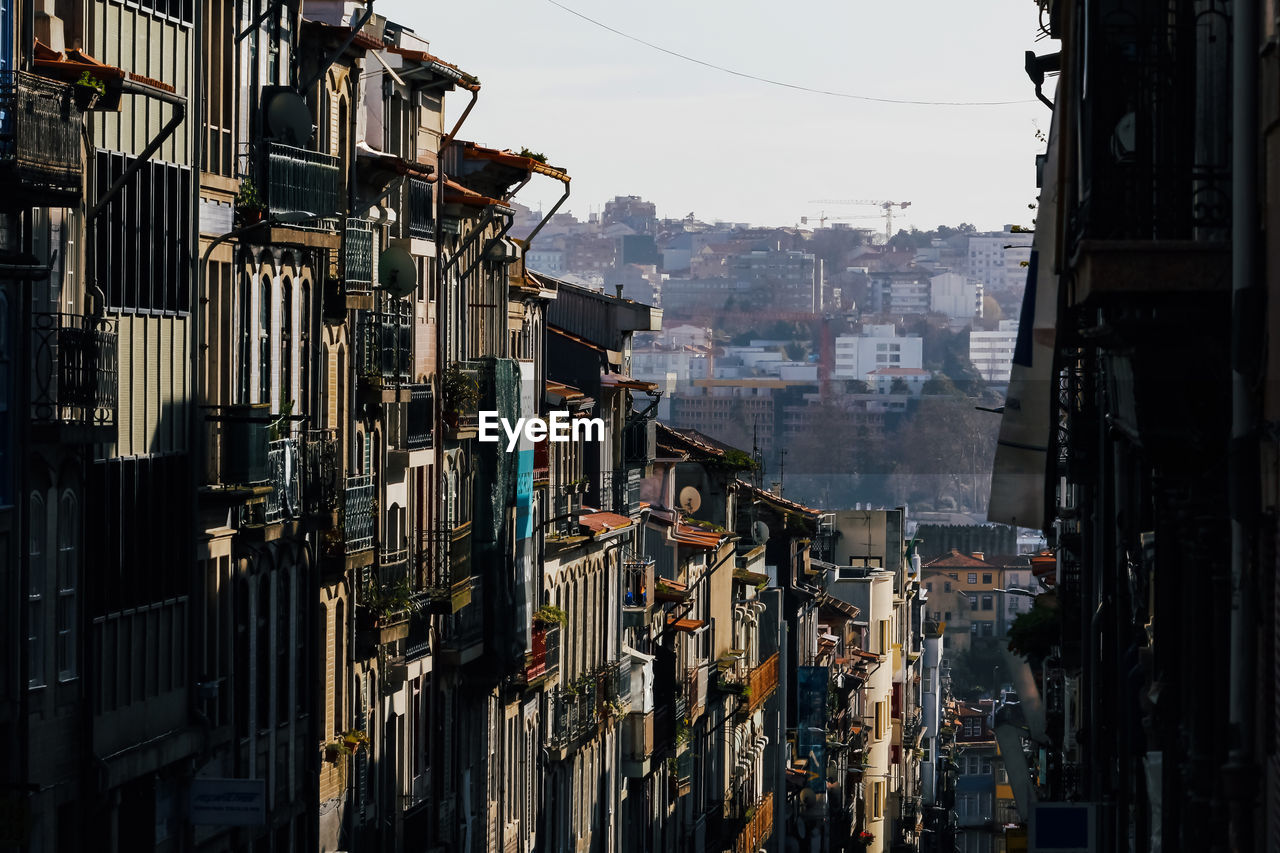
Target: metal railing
pixel 420 418
pixel 284 474
pixel 384 343
pixel 357 513
pixel 543 659
pixel 757 828
pixel 39 133
pixel 357 256
pixel 320 470
pixel 393 567
pixel 74 369
pixel 301 180
pixel 761 683
pixel 637 582
pixel 575 712
pixel 639 442
pixel 421 217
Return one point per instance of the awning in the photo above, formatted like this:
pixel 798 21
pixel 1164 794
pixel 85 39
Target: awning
pixel 696 537
pixel 456 193
pixel 835 606
pixel 472 151
pixel 749 577
pixel 437 65
pixel 619 380
pixel 604 522
pixel 689 625
pixel 392 163
pixel 70 65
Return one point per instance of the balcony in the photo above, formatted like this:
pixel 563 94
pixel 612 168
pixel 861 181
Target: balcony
pixel 575 715
pixel 384 345
pixel 357 257
pixel 445 555
pixel 421 218
pixel 321 471
pixel 761 682
pixel 755 826
pixel 40 155
pixel 284 475
pixel 73 376
pixel 420 419
pixel 639 443
pixel 637 588
pixel 543 660
pixel 357 514
pixel 639 741
pixel 301 180
pixel 463 640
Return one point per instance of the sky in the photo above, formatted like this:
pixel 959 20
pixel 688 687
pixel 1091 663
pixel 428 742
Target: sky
pixel 624 118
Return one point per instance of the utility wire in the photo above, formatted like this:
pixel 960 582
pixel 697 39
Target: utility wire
pixel 798 88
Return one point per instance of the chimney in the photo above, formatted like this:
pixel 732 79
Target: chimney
pixel 978 555
pixel 618 288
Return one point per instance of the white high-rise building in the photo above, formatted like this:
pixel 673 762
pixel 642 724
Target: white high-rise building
pixel 997 259
pixel 877 347
pixel 992 352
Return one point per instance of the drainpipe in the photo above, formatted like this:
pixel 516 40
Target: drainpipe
pixel 534 233
pixel 453 134
pixel 1246 332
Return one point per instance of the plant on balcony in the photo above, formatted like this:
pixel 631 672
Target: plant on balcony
pixel 354 739
pixel 88 90
pixel 249 204
pixel 459 395
pixel 389 600
pixel 549 615
pixel 541 158
pixel 334 750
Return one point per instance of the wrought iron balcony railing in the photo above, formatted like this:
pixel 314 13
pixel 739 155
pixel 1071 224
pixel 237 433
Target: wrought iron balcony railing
pixel 301 180
pixel 357 256
pixel 756 826
pixel 384 343
pixel 73 370
pixel 420 418
pixel 422 220
pixel 575 713
pixel 543 660
pixel 320 471
pixel 284 474
pixel 39 135
pixel 357 513
pixel 637 583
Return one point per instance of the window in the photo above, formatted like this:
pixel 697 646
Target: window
pixel 986 577
pixel 884 636
pixel 986 602
pixel 973 629
pixel 973 602
pixel 946 617
pixel 929 587
pixel 973 577
pixel 879 726
pixel 954 576
pixel 35 592
pixel 877 800
pixel 947 587
pixel 988 630
pixel 68 561
pixel 143 261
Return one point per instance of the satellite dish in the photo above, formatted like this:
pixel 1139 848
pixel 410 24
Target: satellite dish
pixel 690 499
pixel 397 272
pixel 286 117
pixel 760 533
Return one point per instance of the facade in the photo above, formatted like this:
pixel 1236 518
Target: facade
pixel 998 260
pixel 956 297
pixel 879 346
pixel 991 353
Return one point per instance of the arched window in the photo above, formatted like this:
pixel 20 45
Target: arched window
pixel 339 663
pixel 245 351
pixel 286 347
pixel 36 582
pixel 264 341
pixel 68 571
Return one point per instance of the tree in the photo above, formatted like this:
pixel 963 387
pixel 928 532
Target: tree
pixel 1034 633
pixel 899 386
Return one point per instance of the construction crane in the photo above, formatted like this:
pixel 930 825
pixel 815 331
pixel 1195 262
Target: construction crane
pixel 886 206
pixel 823 219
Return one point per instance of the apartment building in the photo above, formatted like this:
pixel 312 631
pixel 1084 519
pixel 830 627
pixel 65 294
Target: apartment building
pixel 992 352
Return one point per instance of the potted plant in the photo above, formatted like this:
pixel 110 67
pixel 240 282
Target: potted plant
pixel 249 204
pixel 459 395
pixel 549 615
pixel 335 749
pixel 354 740
pixel 88 91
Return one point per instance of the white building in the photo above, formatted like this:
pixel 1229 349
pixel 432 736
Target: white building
pixel 878 346
pixel 992 352
pixel 882 379
pixel 549 261
pixel 955 296
pixel 997 258
pixel 686 336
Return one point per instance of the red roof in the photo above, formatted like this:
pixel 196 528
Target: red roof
pixel 604 522
pixel 956 560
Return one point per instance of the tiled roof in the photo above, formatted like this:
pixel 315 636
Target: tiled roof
pixel 956 560
pixel 604 522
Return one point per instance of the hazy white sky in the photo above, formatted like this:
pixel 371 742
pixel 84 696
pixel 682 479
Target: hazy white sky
pixel 625 119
